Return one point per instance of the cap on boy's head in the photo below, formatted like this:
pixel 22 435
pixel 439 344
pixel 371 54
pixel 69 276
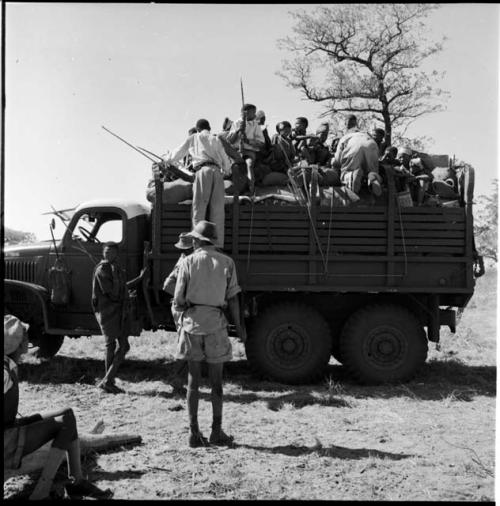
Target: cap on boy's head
pixel 13 333
pixel 192 131
pixel 204 231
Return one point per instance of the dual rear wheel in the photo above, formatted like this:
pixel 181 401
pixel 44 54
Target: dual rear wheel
pixel 291 343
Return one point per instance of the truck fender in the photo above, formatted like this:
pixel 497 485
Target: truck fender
pixel 40 294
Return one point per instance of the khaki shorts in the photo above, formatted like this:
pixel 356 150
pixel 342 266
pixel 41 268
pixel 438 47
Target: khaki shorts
pixel 213 348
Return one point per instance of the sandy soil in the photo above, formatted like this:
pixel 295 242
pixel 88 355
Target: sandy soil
pixel 430 439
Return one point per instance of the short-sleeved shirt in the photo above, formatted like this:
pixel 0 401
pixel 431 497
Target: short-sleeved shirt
pixel 205 282
pixel 171 279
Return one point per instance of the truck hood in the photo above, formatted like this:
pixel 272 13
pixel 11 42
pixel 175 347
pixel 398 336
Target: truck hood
pixel 40 248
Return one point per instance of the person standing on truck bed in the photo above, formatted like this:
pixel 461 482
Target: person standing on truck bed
pixel 110 305
pixel 210 163
pixel 247 133
pixel 186 245
pixel 206 283
pixel 357 159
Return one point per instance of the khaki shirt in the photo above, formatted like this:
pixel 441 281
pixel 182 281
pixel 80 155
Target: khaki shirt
pixel 205 282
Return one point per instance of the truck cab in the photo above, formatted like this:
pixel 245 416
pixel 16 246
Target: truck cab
pixel 28 291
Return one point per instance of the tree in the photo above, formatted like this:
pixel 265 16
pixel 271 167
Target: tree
pixel 368 57
pixel 15 236
pixel 486 223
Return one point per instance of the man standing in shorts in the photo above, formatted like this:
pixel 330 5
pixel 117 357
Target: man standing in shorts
pixel 206 284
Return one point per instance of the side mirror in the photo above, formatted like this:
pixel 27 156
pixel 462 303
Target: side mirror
pixel 52 224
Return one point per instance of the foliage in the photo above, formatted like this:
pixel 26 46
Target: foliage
pixel 486 223
pixel 368 57
pixel 15 236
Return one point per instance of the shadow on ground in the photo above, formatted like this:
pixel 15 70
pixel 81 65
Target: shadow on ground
pixel 436 380
pixel 337 452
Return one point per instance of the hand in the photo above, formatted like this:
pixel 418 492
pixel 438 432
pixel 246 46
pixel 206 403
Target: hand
pixel 242 127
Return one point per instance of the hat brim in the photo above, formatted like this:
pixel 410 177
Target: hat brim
pixel 182 245
pixel 197 235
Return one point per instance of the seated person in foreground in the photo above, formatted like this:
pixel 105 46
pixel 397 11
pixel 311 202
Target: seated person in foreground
pixel 24 435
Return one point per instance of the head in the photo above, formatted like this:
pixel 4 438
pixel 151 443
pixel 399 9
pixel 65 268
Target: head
pixel 301 125
pixel 15 332
pixel 202 124
pixel 391 152
pixel 249 111
pixel 404 156
pixel 284 128
pixel 378 135
pixel 110 251
pixel 351 122
pixel 185 242
pixel 192 131
pixel 322 131
pixel 260 116
pixel 203 233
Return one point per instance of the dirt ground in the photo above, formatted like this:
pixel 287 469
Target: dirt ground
pixel 432 439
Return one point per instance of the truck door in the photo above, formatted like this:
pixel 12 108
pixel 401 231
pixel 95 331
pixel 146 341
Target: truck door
pixel 82 251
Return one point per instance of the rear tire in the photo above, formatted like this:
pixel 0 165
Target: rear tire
pixel 383 344
pixel 290 343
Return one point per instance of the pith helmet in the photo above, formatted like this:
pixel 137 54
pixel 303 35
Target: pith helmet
pixel 184 242
pixel 205 231
pixel 13 333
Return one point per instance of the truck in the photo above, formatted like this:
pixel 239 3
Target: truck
pixel 370 285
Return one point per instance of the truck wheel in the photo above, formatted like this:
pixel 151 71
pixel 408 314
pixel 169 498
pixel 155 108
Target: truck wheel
pixel 289 343
pixel 48 345
pixel 383 343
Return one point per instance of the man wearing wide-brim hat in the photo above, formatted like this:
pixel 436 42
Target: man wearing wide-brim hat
pixel 206 285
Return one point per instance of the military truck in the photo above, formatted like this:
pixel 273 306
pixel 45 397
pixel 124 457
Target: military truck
pixel 370 285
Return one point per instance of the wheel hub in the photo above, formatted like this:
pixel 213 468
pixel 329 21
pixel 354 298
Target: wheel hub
pixel 288 344
pixel 386 347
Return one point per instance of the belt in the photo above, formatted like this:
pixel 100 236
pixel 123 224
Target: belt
pixel 202 164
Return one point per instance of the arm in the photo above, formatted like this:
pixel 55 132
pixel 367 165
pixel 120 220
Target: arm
pixel 104 278
pixel 181 286
pixel 234 309
pixel 235 133
pixel 179 153
pixel 135 281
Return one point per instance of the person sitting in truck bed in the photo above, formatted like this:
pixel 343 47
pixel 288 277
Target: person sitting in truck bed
pixel 420 166
pixel 357 159
pixel 210 163
pixel 378 135
pixel 319 153
pixel 300 137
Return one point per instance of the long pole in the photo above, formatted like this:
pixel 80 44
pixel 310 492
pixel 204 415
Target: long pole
pixel 128 144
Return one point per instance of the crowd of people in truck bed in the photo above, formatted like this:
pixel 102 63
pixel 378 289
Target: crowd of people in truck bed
pixel 254 162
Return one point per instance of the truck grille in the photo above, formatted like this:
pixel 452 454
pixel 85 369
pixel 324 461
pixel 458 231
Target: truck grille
pixel 20 270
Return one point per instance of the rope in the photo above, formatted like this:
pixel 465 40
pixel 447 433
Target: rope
pixel 250 235
pixel 402 236
pixel 329 232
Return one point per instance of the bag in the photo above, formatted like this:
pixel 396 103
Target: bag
pixel 59 284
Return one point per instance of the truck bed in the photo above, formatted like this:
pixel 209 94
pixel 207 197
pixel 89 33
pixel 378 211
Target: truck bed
pixel 350 249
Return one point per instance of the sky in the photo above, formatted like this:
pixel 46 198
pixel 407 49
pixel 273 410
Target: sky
pixel 149 71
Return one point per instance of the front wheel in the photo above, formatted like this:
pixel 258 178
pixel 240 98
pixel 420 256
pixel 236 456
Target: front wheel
pixel 290 343
pixel 47 344
pixel 383 344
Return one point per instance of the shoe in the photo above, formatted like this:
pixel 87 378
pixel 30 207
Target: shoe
pixel 196 440
pixel 83 488
pixel 109 388
pixel 220 438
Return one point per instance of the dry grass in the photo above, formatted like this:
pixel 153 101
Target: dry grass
pixel 429 439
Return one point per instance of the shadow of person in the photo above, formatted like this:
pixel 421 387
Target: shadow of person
pixel 333 451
